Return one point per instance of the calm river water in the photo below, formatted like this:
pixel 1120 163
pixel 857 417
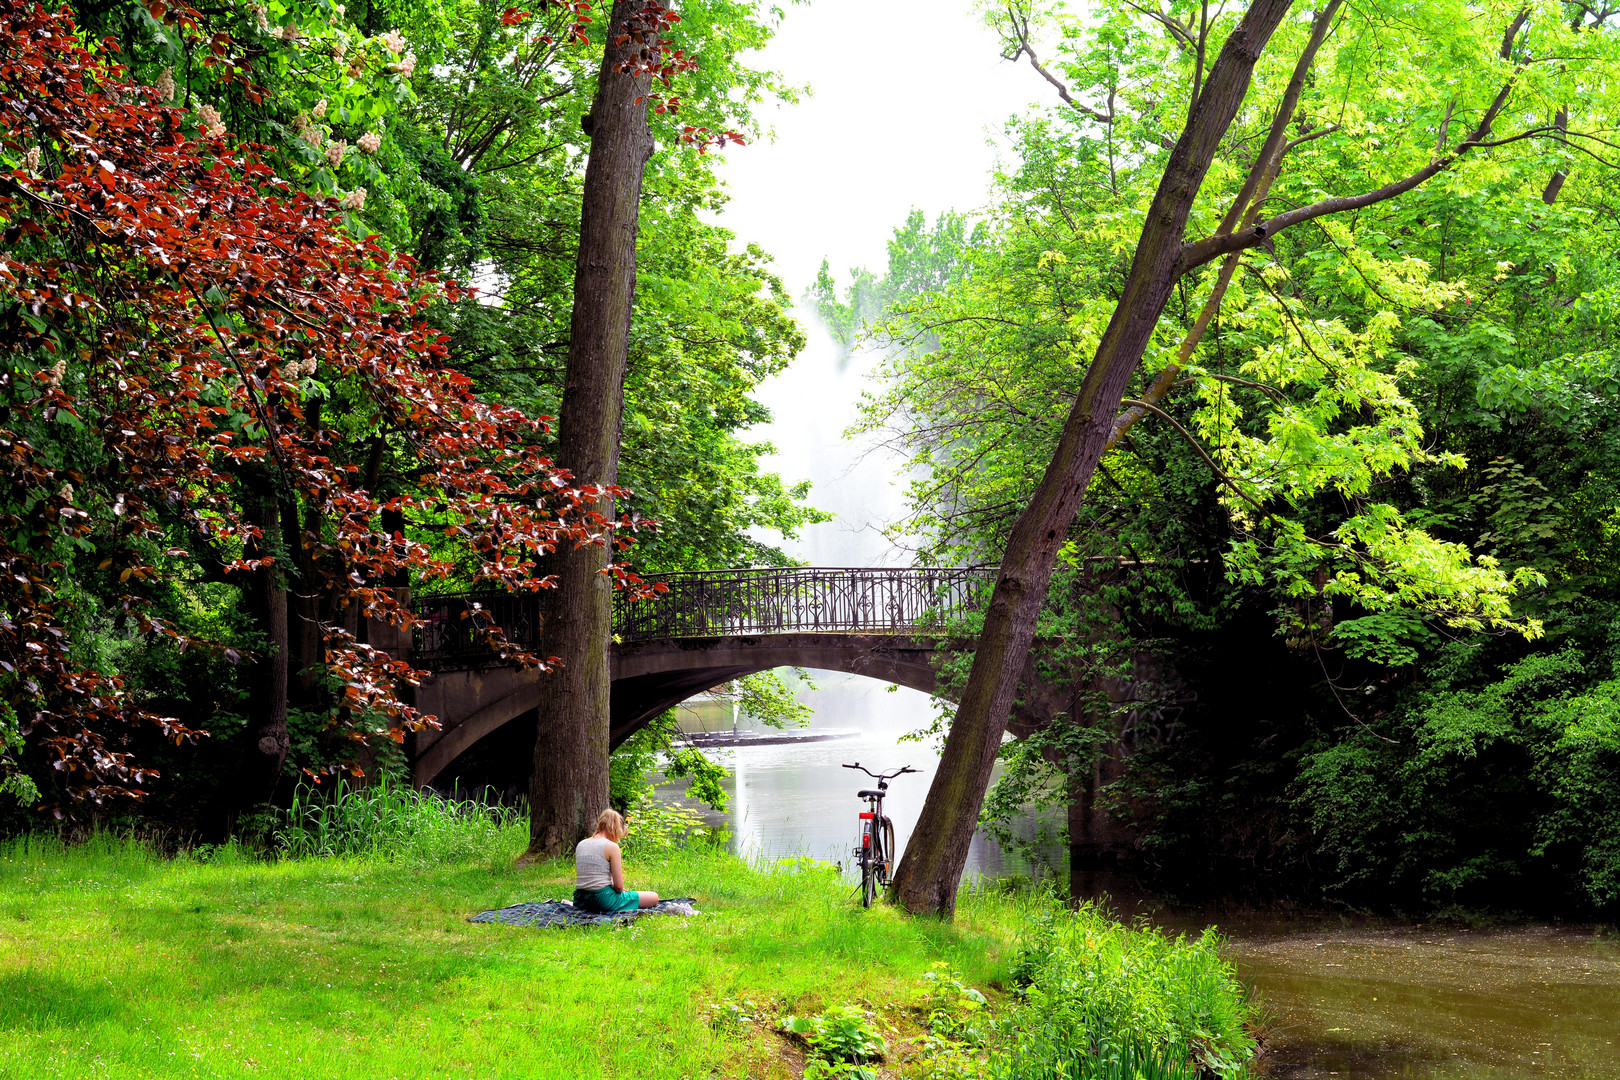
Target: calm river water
pixel 1351 999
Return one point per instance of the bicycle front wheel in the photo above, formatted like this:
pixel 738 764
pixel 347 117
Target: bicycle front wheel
pixel 886 858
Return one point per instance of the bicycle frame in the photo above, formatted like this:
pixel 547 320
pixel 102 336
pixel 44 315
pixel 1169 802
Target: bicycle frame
pixel 875 848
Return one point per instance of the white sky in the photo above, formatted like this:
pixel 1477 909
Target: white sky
pixel 907 101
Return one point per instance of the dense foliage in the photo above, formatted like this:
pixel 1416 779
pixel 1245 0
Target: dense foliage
pixel 201 362
pixel 206 525
pixel 1359 554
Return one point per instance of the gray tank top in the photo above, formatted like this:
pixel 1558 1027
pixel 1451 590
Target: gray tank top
pixel 591 864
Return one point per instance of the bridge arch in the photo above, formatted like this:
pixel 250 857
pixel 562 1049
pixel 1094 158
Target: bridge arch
pixel 703 630
pixel 653 676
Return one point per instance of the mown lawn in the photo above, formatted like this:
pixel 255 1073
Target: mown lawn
pixel 115 962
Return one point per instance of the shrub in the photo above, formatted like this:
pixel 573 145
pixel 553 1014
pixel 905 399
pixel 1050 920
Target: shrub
pixel 1098 999
pixel 842 1042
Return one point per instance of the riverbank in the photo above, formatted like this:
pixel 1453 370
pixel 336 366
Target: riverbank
pixel 117 962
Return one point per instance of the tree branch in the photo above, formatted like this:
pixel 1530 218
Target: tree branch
pixel 1020 28
pixel 1267 164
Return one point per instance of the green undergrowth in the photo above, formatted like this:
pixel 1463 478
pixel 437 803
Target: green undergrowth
pixel 116 961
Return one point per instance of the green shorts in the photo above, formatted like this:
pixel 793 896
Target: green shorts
pixel 607 899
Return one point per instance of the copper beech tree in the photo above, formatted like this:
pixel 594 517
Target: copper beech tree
pixel 176 321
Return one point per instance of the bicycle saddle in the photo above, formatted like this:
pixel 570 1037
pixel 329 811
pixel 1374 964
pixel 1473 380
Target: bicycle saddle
pixel 868 793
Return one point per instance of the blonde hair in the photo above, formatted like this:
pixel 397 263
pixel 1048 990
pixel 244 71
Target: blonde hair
pixel 612 823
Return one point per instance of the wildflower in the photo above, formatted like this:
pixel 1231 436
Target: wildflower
pixel 31 160
pixel 212 123
pixel 354 200
pixel 320 109
pixel 334 152
pixel 261 17
pixel 395 42
pixel 406 67
pixel 165 85
pixel 369 142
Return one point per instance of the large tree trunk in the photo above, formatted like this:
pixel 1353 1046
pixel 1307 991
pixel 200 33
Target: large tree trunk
pixel 570 783
pixel 929 874
pixel 264 597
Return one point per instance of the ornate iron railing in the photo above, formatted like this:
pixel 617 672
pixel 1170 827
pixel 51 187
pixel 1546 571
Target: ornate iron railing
pixel 452 627
pixel 797 599
pixel 720 603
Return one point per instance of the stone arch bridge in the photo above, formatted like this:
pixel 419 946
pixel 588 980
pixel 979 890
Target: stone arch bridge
pixel 708 629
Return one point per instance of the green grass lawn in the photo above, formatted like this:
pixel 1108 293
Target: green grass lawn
pixel 116 962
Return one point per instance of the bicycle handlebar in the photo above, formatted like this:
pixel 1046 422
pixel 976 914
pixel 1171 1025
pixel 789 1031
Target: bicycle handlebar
pixel 881 776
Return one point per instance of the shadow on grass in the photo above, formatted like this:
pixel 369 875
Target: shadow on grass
pixel 37 1000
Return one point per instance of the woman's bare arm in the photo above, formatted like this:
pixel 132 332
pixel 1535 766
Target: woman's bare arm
pixel 615 865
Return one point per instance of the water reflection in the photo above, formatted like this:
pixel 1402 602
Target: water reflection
pixel 1424 1002
pixel 1365 999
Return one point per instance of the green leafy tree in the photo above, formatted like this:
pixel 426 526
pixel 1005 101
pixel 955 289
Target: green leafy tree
pixel 1302 412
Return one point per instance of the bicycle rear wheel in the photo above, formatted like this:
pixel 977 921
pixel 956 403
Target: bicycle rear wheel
pixel 886 860
pixel 869 874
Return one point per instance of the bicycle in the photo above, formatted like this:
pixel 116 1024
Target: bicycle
pixel 877 835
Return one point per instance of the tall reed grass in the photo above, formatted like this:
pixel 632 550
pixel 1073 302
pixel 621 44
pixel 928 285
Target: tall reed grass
pixel 1101 1000
pixel 397 823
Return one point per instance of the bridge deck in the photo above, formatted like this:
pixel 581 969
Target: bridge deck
pixel 773 600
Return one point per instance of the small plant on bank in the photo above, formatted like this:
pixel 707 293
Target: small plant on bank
pixel 842 1042
pixel 957 1019
pixel 955 1012
pixel 731 1015
pixel 658 827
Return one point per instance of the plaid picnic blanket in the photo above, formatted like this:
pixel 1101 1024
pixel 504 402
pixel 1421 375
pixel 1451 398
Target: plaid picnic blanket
pixel 563 913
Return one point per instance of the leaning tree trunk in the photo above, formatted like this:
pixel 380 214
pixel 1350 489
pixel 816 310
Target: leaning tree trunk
pixel 570 781
pixel 927 878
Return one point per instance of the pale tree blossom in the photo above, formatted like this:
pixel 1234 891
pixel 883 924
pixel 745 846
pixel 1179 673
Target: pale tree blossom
pixel 334 152
pixel 261 17
pixel 31 160
pixel 320 109
pixel 406 67
pixel 395 42
pixel 165 85
pixel 354 200
pixel 290 33
pixel 212 123
pixel 369 142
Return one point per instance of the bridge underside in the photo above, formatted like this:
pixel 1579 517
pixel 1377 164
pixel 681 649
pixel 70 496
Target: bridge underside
pixel 489 714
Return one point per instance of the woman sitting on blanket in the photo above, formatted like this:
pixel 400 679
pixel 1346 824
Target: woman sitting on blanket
pixel 598 863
